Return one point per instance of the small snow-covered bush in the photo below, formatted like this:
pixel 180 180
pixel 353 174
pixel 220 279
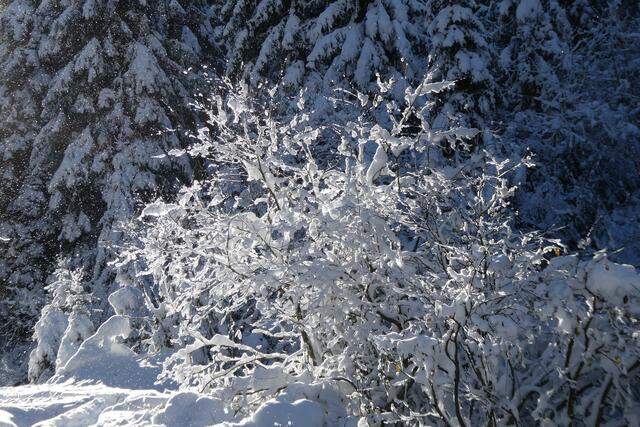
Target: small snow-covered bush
pixel 64 324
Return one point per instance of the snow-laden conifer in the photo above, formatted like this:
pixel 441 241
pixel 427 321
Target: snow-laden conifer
pixel 460 52
pixel 93 95
pixel 341 42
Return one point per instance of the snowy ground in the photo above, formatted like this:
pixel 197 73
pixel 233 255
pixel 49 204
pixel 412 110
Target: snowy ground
pixel 85 404
pixel 78 404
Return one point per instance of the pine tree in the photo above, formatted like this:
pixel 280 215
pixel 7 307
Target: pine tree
pixel 573 107
pixel 331 42
pixel 460 53
pixel 93 98
pixel 534 41
pixel 65 322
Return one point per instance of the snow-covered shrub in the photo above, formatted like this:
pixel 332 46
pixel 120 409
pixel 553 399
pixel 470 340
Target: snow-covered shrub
pixel 392 274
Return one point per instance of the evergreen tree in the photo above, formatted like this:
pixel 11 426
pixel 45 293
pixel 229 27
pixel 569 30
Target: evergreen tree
pixel 328 41
pixel 534 43
pixel 65 322
pixel 580 127
pixel 460 53
pixel 94 96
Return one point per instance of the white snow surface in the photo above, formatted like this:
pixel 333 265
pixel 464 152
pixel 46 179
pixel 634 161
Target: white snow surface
pixel 70 404
pixel 84 403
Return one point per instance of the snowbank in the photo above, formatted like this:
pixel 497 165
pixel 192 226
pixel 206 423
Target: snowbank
pixel 82 404
pixel 102 358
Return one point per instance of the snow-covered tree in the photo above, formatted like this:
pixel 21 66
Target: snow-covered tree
pixel 459 52
pixel 579 126
pixel 407 289
pixel 335 43
pixel 93 95
pixel 534 37
pixel 65 322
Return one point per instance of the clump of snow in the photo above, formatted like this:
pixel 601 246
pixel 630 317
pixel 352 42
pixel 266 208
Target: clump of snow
pixel 615 283
pixel 160 209
pixel 378 164
pixel 278 413
pixel 104 358
pixel 527 9
pixel 127 300
pixel 190 409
